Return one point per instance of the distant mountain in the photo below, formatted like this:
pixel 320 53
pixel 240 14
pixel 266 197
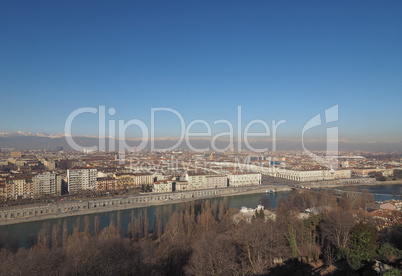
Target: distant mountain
pixel 36 141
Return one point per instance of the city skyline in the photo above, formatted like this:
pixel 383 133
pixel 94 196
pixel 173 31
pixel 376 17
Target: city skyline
pixel 278 61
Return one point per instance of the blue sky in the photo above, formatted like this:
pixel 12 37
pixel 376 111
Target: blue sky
pixel 277 59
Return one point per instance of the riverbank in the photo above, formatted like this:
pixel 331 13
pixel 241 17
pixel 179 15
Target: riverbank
pixel 332 184
pixel 175 198
pixel 396 182
pixel 94 206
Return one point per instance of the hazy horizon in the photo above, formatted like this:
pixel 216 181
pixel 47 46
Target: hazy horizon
pixel 27 142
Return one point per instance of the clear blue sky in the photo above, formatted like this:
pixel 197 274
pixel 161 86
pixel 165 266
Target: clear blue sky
pixel 277 59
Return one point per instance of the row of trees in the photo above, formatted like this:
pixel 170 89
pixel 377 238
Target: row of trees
pixel 200 238
pixel 397 174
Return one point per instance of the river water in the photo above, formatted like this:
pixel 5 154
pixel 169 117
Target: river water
pixel 382 192
pixel 27 229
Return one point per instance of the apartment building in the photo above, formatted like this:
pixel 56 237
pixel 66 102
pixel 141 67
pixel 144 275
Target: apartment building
pixel 124 181
pixel 216 181
pixel 19 186
pixel 133 180
pixel 3 190
pixel 181 185
pixel 81 178
pixel 244 179
pixel 46 184
pixel 196 181
pixel 163 186
pixel 106 184
pixel 143 179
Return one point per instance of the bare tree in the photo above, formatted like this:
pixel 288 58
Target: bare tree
pixel 3 239
pixel 366 199
pixel 223 208
pixel 13 243
pixel 188 218
pixel 259 243
pixel 111 222
pixel 44 235
pixel 130 227
pixel 351 199
pixel 56 234
pixel 329 255
pixel 213 255
pixel 138 227
pixel 87 225
pixel 119 222
pixel 292 227
pixel 205 220
pixel 336 226
pixel 31 241
pixel 214 209
pixel 158 224
pixel 97 225
pixel 173 228
pixel 65 232
pixel 146 223
pixel 77 226
pixel 327 199
pixel 165 214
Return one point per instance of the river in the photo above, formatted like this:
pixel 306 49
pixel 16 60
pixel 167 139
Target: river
pixel 27 229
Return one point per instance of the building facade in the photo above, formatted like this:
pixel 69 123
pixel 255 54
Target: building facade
pixel 3 190
pixel 163 186
pixel 196 181
pixel 312 175
pixel 181 185
pixel 19 187
pixel 81 178
pixel 46 184
pixel 124 181
pixel 104 184
pixel 133 180
pixel 143 179
pixel 244 179
pixel 216 181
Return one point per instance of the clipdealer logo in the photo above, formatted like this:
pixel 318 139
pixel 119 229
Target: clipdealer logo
pixel 240 137
pixel 331 155
pixel 148 134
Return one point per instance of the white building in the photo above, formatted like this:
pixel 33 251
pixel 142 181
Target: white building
pixel 143 179
pixel 244 179
pixel 343 174
pixel 81 178
pixel 196 181
pixel 296 175
pixel 216 181
pixel 46 184
pixel 312 175
pixel 181 185
pixel 163 186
